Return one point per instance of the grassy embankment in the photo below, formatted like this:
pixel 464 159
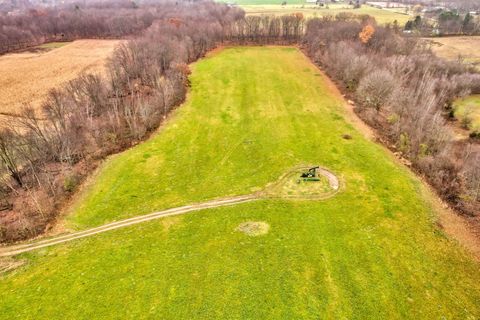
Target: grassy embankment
pixel 372 251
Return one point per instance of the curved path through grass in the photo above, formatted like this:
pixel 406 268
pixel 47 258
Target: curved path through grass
pixel 26 247
pixel 374 251
pixel 21 248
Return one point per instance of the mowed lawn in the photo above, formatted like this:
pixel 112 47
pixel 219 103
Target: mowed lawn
pixel 371 252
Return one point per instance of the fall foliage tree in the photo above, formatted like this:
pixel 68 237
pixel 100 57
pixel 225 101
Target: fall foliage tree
pixel 366 34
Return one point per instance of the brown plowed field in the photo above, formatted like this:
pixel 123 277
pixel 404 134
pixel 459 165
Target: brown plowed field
pixel 26 78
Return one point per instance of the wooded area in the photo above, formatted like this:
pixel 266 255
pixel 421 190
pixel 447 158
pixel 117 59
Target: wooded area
pixel 91 117
pixel 405 92
pixel 92 20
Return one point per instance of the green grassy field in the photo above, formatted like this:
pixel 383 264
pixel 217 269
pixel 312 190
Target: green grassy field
pixel 382 16
pixel 372 251
pixel 471 106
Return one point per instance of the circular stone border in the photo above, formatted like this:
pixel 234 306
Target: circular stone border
pixel 332 178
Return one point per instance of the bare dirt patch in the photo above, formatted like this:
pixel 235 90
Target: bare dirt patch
pixel 27 77
pixel 461 228
pixel 253 228
pixel 9 264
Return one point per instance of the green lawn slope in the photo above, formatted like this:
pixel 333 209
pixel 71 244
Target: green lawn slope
pixel 372 251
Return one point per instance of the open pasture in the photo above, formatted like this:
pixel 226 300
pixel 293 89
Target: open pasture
pixel 466 48
pixel 26 78
pixel 382 16
pixel 371 251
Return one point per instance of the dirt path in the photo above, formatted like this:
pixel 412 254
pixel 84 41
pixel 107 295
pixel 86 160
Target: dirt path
pixel 20 248
pixel 17 249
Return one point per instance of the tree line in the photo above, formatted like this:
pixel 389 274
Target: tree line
pixel 69 22
pixel 43 159
pixel 406 93
pixel 445 23
pixel 462 5
pixel 286 29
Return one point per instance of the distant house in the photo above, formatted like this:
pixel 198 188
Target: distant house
pixel 14 13
pixel 311 1
pixel 384 4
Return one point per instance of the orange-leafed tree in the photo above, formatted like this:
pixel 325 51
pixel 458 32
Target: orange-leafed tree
pixel 298 15
pixel 366 34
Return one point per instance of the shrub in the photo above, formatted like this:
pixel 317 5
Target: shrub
pixel 375 88
pixel 356 68
pixel 70 183
pixel 366 34
pixel 466 117
pixel 396 73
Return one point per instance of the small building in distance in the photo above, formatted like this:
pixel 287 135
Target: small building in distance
pixel 386 4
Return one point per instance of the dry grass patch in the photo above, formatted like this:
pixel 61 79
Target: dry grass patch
pixel 253 228
pixel 170 222
pixel 466 47
pixel 27 77
pixel 382 16
pixel 9 264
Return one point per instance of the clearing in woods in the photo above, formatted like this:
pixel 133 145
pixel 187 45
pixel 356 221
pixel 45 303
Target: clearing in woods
pixel 26 77
pixel 467 111
pixel 464 47
pixel 372 251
